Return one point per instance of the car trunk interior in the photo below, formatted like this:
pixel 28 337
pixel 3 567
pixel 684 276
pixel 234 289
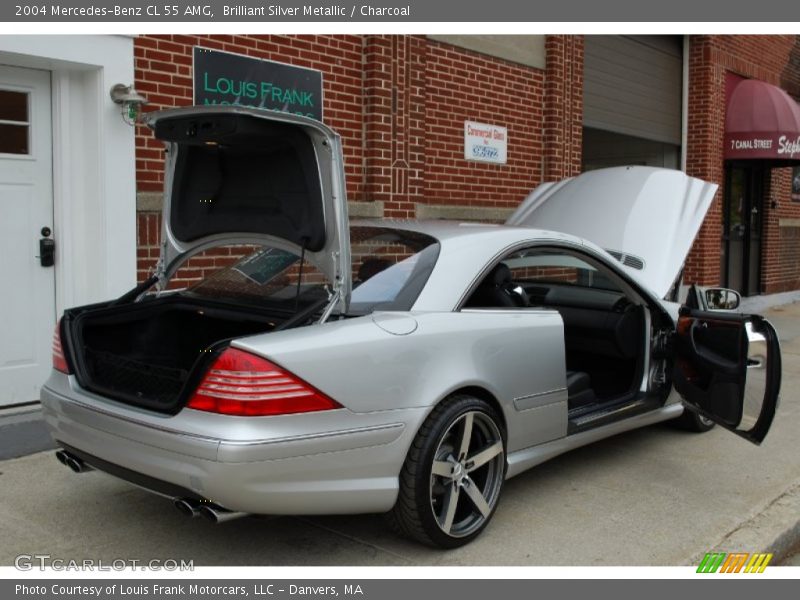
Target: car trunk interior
pixel 144 353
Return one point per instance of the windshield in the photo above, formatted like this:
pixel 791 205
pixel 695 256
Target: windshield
pixel 390 267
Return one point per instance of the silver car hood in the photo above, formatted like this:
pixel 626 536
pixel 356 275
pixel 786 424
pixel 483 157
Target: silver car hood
pixel 238 175
pixel 647 218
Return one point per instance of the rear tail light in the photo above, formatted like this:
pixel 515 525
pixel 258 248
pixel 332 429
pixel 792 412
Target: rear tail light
pixel 59 360
pixel 243 384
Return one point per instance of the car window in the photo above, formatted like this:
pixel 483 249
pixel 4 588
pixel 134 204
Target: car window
pixel 543 276
pixel 266 276
pixel 390 268
pixel 556 267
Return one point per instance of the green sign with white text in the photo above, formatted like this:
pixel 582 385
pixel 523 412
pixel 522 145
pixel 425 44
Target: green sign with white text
pixel 227 78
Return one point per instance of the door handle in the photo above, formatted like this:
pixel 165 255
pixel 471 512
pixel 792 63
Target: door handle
pixel 47 249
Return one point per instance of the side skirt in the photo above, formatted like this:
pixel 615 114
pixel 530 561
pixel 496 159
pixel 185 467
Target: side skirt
pixel 524 459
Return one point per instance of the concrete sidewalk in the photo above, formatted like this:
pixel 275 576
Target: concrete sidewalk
pixel 657 496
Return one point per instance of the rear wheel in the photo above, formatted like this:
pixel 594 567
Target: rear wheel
pixel 451 481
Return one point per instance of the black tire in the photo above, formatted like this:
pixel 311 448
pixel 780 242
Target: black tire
pixel 440 484
pixel 694 422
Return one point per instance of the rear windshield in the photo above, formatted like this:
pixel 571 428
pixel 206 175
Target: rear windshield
pixel 266 277
pixel 389 269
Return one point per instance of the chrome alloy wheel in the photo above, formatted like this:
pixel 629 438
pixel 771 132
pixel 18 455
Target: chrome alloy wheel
pixel 467 474
pixel 705 421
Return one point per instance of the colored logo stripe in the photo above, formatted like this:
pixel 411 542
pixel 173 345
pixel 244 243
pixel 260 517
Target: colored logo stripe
pixel 734 562
pixel 758 562
pixel 711 562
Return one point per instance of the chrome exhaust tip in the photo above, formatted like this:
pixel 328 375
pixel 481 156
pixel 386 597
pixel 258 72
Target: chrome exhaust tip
pixel 217 514
pixel 73 462
pixel 187 506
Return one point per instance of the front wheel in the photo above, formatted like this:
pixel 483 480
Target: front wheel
pixel 692 421
pixel 452 477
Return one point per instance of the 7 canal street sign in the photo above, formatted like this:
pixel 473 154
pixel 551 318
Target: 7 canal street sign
pixel 768 145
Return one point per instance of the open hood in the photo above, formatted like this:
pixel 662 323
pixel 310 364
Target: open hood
pixel 647 218
pixel 238 175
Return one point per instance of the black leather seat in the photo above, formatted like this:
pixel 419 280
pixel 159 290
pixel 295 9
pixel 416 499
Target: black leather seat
pixel 579 389
pixel 496 290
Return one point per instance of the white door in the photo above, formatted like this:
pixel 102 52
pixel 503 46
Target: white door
pixel 27 289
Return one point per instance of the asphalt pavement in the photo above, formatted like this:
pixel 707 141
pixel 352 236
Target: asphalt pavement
pixel 23 432
pixel 656 496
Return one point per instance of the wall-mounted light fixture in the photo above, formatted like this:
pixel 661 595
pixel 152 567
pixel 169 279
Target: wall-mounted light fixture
pixel 130 101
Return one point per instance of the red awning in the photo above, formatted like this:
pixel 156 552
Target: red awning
pixel 762 122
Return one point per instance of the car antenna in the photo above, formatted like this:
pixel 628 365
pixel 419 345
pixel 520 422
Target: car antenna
pixel 300 273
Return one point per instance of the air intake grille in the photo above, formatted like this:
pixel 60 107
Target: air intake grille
pixel 628 260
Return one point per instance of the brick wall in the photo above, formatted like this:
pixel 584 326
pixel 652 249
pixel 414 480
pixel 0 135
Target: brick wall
pixel 461 86
pixel 563 107
pixel 775 60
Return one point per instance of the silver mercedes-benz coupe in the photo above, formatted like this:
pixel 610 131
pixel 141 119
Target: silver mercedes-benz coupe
pixel 406 368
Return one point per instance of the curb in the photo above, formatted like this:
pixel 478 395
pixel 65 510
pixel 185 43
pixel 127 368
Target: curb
pixel 776 529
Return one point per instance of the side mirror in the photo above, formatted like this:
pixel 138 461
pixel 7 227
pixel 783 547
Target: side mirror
pixel 722 299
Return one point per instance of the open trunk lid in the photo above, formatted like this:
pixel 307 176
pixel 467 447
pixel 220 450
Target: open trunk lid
pixel 238 175
pixel 646 217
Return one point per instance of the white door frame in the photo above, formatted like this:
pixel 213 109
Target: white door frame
pixel 94 167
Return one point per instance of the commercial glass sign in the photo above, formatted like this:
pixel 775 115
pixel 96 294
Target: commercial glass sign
pixel 484 142
pixel 227 78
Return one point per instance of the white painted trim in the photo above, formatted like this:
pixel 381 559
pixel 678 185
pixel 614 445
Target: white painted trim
pixel 61 217
pixel 94 174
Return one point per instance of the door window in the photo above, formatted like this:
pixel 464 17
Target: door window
pixel 526 277
pixel 14 122
pixel 556 267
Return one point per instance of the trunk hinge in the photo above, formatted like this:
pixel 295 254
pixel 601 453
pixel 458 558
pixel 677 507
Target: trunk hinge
pixel 159 271
pixel 335 296
pixel 334 300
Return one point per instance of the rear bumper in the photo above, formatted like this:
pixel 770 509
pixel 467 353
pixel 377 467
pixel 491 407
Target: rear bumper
pixel 332 462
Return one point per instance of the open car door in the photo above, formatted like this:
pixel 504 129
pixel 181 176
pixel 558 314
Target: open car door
pixel 728 369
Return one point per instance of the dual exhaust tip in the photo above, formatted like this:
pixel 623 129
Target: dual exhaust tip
pixel 187 506
pixel 210 512
pixel 73 462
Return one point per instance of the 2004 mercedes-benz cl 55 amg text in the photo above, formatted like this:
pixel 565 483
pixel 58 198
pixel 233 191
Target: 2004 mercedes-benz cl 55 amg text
pixel 398 367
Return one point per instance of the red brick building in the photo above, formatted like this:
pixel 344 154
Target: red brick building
pixel 569 103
